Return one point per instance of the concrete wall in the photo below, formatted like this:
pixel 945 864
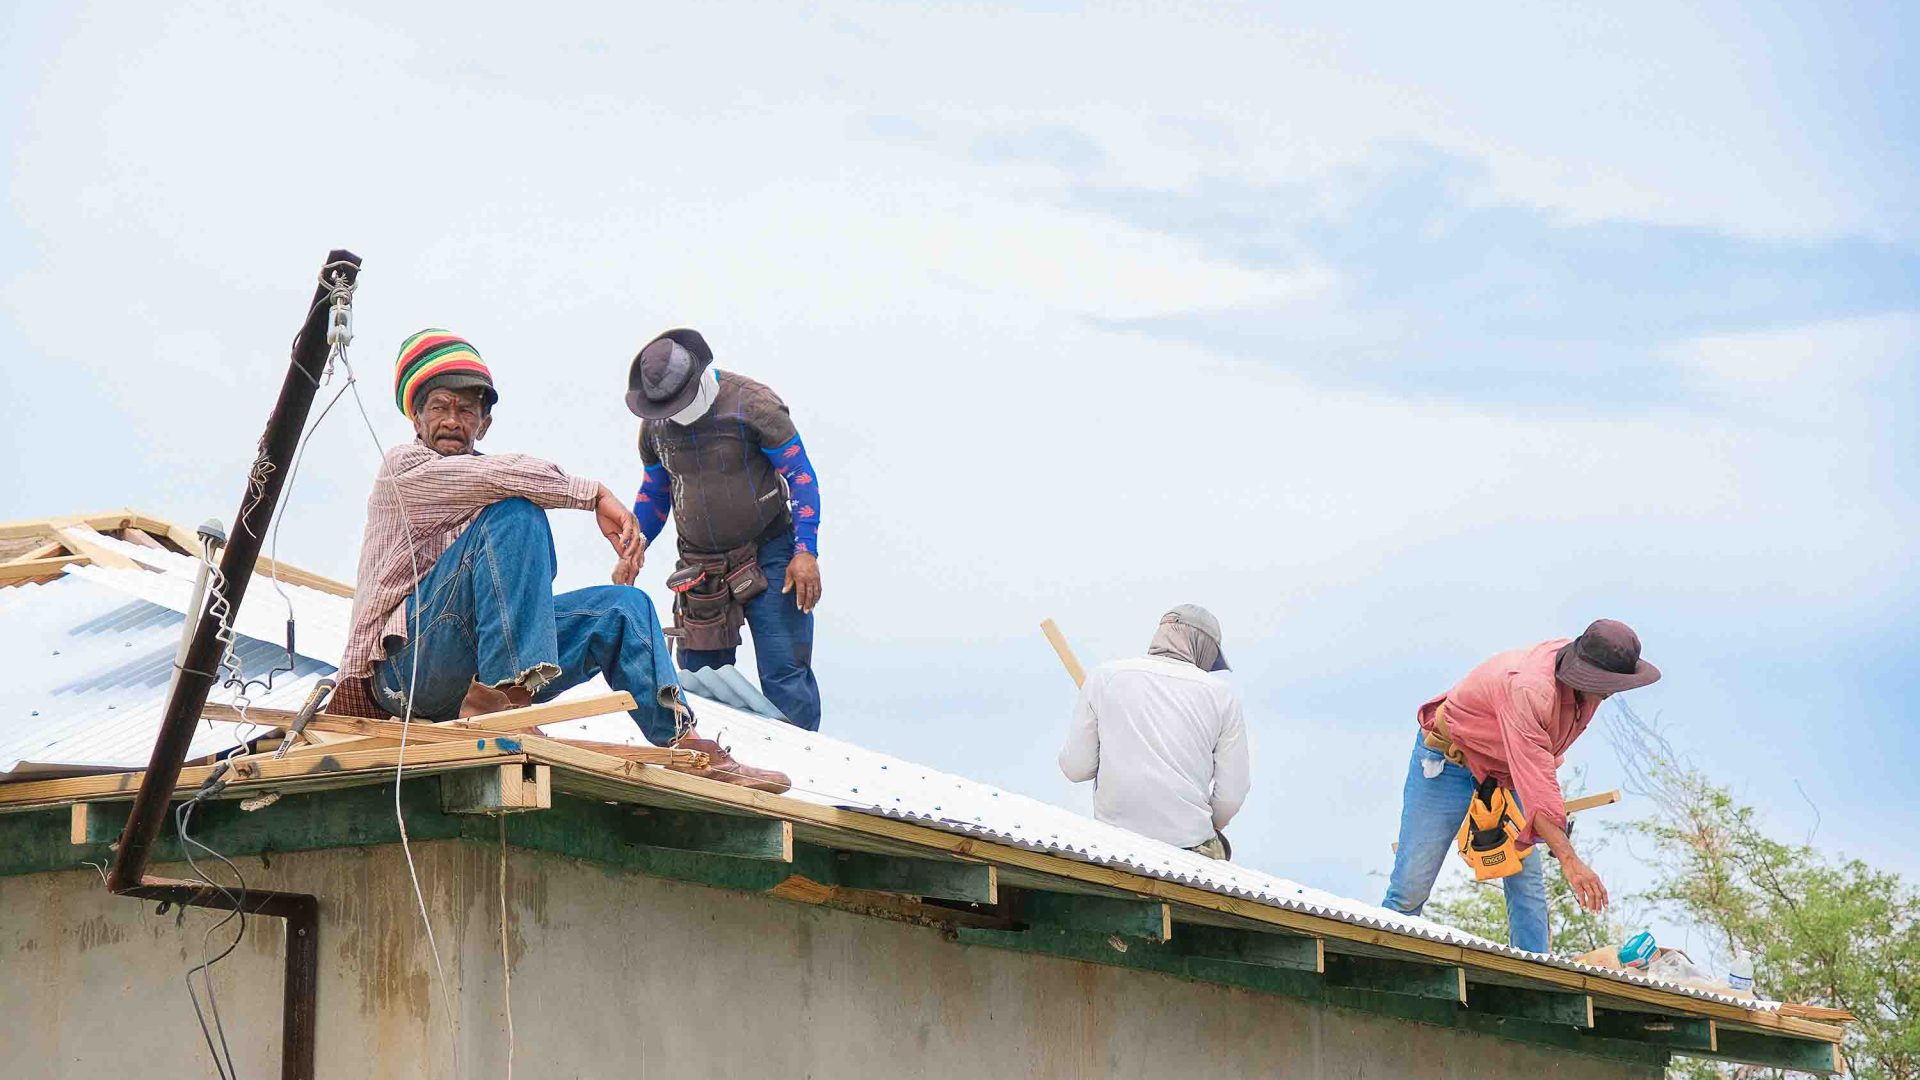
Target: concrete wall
pixel 628 976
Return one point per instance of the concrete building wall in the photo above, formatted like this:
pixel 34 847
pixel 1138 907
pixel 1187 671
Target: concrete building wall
pixel 617 975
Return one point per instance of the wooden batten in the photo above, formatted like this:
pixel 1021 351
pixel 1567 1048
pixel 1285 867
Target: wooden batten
pixel 503 789
pixel 1524 1003
pixel 1148 920
pixel 1442 982
pixel 1272 950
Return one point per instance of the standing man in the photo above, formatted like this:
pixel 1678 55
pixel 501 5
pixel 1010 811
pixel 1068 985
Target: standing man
pixel 453 610
pixel 1163 738
pixel 722 454
pixel 1512 718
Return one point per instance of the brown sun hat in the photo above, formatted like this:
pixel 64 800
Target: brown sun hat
pixel 1605 660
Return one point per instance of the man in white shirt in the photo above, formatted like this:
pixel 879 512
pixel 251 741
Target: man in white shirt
pixel 1163 738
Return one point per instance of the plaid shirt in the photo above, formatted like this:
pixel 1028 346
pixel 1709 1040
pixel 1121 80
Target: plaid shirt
pixel 441 495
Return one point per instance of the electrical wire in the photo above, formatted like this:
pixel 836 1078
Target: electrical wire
pixel 506 963
pixel 182 817
pixel 339 354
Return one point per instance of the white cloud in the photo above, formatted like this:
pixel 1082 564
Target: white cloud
pixel 1817 373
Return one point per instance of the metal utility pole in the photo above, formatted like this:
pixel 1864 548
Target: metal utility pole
pixel 257 503
pixel 199 668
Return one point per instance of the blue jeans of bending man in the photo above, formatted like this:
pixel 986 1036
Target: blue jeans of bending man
pixel 1431 810
pixel 486 611
pixel 782 642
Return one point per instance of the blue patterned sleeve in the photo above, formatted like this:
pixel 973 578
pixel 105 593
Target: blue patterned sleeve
pixel 803 486
pixel 654 502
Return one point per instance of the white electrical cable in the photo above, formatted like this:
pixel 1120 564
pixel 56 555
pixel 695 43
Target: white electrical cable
pixel 406 721
pixel 506 964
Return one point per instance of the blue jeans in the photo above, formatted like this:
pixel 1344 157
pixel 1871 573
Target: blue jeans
pixel 782 642
pixel 1431 810
pixel 486 611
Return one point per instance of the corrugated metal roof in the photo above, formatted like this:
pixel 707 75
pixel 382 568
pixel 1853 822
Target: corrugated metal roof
pixel 830 772
pixel 729 687
pixel 100 644
pixel 87 674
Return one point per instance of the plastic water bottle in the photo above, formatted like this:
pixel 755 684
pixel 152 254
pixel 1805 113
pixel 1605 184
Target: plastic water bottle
pixel 1740 972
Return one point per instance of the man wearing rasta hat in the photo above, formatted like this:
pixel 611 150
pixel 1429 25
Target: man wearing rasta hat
pixel 1512 719
pixel 453 609
pixel 722 455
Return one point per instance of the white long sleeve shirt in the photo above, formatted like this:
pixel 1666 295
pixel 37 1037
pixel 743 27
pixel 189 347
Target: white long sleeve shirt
pixel 1166 746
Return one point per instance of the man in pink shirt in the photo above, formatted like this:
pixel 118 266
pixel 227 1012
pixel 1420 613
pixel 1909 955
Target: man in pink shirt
pixel 1512 718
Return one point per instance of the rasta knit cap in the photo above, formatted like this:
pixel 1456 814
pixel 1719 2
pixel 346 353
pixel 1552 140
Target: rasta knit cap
pixel 433 358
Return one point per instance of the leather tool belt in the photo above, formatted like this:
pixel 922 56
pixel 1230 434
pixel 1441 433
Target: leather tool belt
pixel 709 611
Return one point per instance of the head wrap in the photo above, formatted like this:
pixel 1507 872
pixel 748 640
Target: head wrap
pixel 440 358
pixel 1191 633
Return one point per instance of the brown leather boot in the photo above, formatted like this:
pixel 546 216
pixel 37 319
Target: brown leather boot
pixel 725 769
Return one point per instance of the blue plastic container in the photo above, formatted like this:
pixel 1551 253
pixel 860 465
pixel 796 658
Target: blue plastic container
pixel 1638 950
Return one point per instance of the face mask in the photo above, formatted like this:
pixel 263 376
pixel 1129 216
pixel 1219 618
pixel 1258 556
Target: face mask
pixel 702 399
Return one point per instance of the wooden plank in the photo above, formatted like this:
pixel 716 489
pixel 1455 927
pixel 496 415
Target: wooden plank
pixel 1588 802
pixel 1545 1006
pixel 141 538
pixel 82 814
pixel 1817 1012
pixel 14 530
pixel 1006 856
pixel 378 733
pixel 1148 920
pixel 552 712
pixel 880 905
pixel 251 772
pixel 600 833
pixel 38 841
pixel 1773 1051
pixel 968 882
pixel 1060 647
pixel 499 790
pixel 711 834
pixel 1290 951
pixel 1441 982
pixel 36 569
pixel 81 539
pixel 44 551
pixel 1672 1032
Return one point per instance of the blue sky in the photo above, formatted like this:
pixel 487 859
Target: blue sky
pixel 1396 338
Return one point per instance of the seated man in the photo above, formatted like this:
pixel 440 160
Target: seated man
pixel 1512 718
pixel 454 610
pixel 1163 739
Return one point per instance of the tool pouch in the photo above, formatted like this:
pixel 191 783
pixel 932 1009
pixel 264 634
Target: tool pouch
pixel 1488 838
pixel 747 580
pixel 710 611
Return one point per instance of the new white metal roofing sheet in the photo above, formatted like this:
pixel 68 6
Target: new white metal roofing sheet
pixel 87 673
pixel 104 642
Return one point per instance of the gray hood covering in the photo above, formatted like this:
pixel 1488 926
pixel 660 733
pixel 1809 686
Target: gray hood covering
pixel 1191 633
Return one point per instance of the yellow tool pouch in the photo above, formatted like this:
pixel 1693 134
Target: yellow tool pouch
pixel 1488 838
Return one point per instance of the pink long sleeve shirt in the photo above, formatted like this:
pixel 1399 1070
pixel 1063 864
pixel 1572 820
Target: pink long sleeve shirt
pixel 1514 721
